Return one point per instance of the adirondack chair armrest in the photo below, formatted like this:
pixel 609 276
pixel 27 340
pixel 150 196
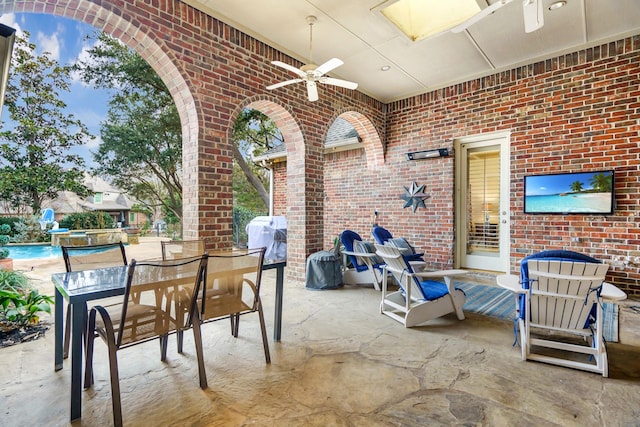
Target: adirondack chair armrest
pixel 360 254
pixel 447 274
pixel 511 283
pixel 611 293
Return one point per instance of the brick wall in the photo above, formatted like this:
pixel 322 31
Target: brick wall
pixel 213 71
pixel 575 112
pixel 279 188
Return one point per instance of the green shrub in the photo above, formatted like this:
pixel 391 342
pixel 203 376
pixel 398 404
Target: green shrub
pixel 10 221
pixel 20 305
pixel 28 230
pixel 87 221
pixel 13 281
pixel 5 229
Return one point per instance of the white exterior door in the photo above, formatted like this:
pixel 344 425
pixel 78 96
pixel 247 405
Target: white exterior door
pixel 482 202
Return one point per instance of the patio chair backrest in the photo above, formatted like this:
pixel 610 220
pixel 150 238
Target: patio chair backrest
pixel 348 239
pixel 384 237
pixel 550 255
pixel 174 249
pixel 563 292
pixel 400 269
pixel 159 298
pixel 381 235
pixel 80 258
pixel 231 283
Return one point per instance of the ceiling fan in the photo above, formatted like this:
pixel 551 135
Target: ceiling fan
pixel 532 11
pixel 312 73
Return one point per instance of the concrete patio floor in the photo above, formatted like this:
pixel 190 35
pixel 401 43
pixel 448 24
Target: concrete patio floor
pixel 340 363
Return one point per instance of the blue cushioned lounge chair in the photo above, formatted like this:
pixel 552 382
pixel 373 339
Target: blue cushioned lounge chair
pixel 559 297
pixel 419 299
pixel 382 236
pixel 366 266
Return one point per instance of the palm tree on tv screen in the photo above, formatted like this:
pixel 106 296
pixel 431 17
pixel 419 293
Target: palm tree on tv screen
pixel 576 186
pixel 601 182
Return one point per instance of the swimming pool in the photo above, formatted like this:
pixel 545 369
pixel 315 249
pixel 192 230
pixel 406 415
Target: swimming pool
pixel 38 251
pixel 34 251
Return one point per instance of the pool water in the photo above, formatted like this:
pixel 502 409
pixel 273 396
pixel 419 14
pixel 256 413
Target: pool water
pixel 39 251
pixel 34 251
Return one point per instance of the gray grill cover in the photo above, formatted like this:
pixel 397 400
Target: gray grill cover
pixel 323 271
pixel 270 232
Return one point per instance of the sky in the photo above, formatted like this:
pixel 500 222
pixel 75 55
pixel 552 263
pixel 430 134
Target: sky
pixel 65 40
pixel 543 185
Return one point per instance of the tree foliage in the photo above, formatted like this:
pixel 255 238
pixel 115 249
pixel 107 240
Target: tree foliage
pixel 95 220
pixel 142 141
pixel 253 134
pixel 35 157
pixel 142 136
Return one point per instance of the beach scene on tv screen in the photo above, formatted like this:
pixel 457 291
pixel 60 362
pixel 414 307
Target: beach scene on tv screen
pixel 588 192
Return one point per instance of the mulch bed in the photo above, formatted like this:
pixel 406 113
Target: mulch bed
pixel 20 335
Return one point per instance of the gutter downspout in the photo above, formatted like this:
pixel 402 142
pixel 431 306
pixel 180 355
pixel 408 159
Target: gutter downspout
pixel 271 185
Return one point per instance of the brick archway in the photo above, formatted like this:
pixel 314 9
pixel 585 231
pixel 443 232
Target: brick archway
pixel 210 69
pixel 130 33
pixel 295 146
pixel 370 137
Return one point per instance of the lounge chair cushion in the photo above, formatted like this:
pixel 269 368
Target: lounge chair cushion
pixel 402 244
pixel 433 290
pixel 367 248
pixel 381 235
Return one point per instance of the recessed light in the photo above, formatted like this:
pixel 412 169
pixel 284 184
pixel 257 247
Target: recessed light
pixel 385 68
pixel 557 5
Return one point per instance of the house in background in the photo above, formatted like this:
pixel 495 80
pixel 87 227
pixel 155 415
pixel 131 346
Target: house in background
pixel 341 136
pixel 104 197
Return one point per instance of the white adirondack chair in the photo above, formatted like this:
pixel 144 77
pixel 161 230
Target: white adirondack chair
pixel 559 300
pixel 419 299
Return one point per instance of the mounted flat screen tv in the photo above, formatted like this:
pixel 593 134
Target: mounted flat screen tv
pixel 570 193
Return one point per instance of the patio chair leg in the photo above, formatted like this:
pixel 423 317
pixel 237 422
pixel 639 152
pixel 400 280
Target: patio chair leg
pixel 67 334
pixel 197 338
pixel 115 386
pixel 180 338
pixel 232 321
pixel 265 342
pixel 88 369
pixel 164 342
pixel 236 324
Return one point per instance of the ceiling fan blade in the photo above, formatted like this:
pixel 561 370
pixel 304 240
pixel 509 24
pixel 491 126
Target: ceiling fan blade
pixel 331 64
pixel 288 82
pixel 289 68
pixel 480 15
pixel 312 91
pixel 338 82
pixel 533 15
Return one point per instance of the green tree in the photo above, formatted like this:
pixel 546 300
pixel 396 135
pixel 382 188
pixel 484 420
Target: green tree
pixel 35 158
pixel 253 134
pixel 576 186
pixel 142 140
pixel 142 136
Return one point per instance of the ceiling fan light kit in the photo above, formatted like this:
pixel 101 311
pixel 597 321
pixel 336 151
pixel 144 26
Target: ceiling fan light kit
pixel 311 73
pixel 532 11
pixel 533 15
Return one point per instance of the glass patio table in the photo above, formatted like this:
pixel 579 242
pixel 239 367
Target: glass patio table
pixel 80 287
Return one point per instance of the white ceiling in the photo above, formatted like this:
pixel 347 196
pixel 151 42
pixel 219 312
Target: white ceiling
pixel 352 31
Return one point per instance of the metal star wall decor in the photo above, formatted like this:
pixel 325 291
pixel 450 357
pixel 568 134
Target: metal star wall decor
pixel 414 196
